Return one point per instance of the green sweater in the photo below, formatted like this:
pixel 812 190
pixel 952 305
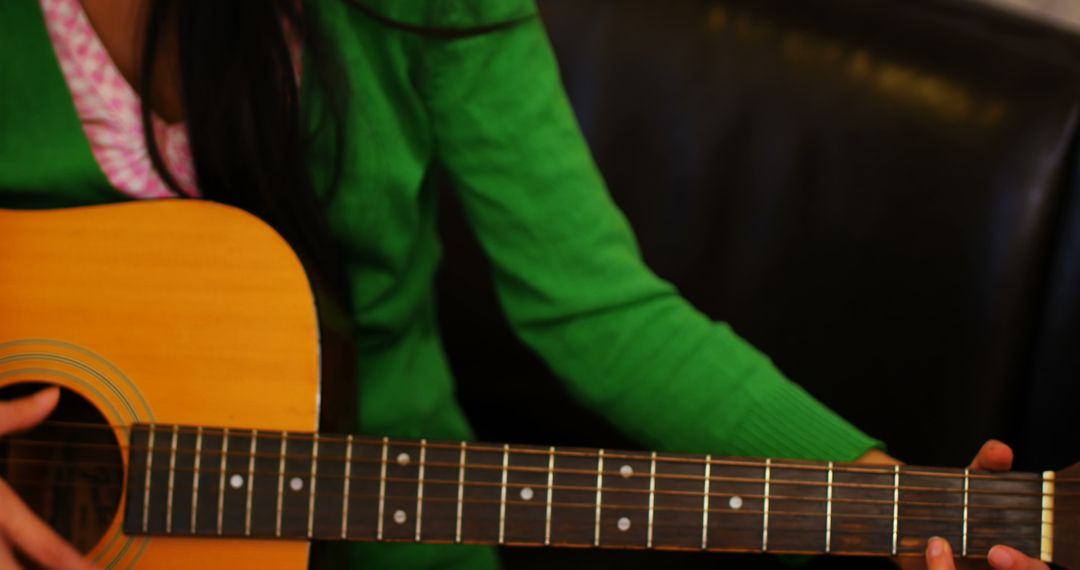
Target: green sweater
pixel 491 111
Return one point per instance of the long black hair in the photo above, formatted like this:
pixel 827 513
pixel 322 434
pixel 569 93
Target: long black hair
pixel 241 102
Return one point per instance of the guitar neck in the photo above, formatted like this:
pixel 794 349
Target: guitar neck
pixel 210 482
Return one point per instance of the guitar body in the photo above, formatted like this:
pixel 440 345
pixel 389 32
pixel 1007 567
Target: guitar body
pixel 164 311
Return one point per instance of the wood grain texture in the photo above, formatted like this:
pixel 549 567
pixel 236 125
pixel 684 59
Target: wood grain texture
pixel 205 310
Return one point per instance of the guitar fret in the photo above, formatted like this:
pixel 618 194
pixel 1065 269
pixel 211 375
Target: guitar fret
pixel 172 480
pixel 264 483
pixel 332 488
pixel 460 493
pixel 345 492
pixel 221 481
pixel 250 483
pixel 292 474
pixel 525 477
pixel 439 476
pixel 705 504
pixel 972 510
pixel 599 493
pixel 238 470
pixel 967 488
pixel 382 489
pixel 896 507
pixel 483 514
pixel 502 494
pixel 420 489
pixel 146 489
pixel 361 516
pixel 796 494
pixel 401 491
pixel 765 508
pixel 624 500
pixel 862 509
pixel 148 498
pixel 311 486
pixel 828 511
pixel 195 478
pixel 652 497
pixel 281 481
pixel 327 510
pixel 574 499
pixel 1006 510
pixel 735 504
pixel 550 486
pixel 677 505
pixel 180 484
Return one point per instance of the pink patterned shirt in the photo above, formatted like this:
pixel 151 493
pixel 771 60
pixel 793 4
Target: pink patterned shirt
pixel 110 110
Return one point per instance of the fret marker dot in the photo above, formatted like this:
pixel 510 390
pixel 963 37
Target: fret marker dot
pixel 403 459
pixel 400 517
pixel 626 471
pixel 236 481
pixel 735 503
pixel 527 494
pixel 296 483
pixel 623 524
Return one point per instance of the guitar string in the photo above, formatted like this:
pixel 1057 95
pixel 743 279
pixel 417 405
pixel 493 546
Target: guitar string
pixel 884 471
pixel 784 550
pixel 1011 529
pixel 478 447
pixel 679 529
pixel 1005 536
pixel 572 488
pixel 592 474
pixel 568 488
pixel 410 500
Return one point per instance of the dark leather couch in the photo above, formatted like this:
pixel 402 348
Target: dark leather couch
pixel 882 195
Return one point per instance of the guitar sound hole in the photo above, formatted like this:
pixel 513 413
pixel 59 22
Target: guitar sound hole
pixel 69 469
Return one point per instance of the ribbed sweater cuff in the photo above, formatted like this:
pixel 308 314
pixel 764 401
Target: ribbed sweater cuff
pixel 789 423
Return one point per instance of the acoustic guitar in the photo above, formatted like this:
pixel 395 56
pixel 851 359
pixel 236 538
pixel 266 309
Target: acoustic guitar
pixel 184 336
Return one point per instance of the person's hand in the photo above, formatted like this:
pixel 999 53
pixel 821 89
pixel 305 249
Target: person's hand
pixel 994 456
pixel 20 529
pixel 939 556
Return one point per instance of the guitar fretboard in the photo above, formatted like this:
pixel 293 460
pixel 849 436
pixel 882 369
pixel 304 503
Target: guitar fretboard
pixel 193 481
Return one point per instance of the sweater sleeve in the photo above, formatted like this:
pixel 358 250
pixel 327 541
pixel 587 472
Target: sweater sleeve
pixel 570 277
